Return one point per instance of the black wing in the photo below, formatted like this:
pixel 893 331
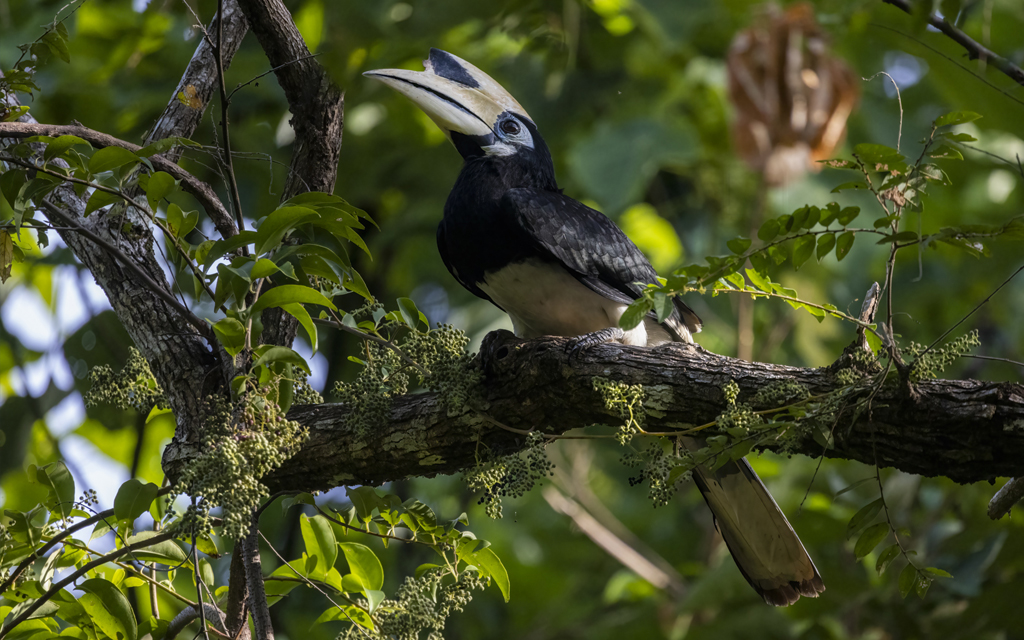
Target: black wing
pixel 442 248
pixel 589 245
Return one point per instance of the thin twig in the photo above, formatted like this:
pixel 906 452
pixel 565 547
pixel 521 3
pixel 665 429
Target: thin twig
pixel 192 185
pixel 1006 360
pixel 200 276
pixel 372 338
pixel 951 60
pixel 971 312
pixel 303 578
pixel 224 103
pixel 975 50
pixel 58 586
pixel 162 293
pixel 268 72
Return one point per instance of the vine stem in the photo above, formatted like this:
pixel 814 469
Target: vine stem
pixel 224 103
pixel 57 587
pixel 303 578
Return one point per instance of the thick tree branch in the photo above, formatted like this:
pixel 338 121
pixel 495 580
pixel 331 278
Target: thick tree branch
pixel 191 184
pixel 975 50
pixel 963 429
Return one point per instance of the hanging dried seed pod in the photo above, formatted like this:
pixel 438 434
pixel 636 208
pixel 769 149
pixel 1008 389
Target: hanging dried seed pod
pixel 792 97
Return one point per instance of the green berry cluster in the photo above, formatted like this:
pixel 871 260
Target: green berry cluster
pixel 626 400
pixel 929 365
pixel 243 443
pixel 445 368
pixel 779 393
pixel 369 396
pixel 132 387
pixel 510 476
pixel 442 352
pixel 739 418
pixel 423 603
pixel 662 465
pixel 304 394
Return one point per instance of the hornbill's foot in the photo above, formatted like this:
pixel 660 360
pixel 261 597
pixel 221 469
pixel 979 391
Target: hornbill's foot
pixel 579 344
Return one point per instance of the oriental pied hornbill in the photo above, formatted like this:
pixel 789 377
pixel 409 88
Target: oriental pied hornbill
pixel 558 267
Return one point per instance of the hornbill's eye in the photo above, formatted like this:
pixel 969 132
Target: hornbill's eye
pixel 510 127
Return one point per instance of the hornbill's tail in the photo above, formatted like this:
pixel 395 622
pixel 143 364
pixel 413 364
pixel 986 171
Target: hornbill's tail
pixel 767 551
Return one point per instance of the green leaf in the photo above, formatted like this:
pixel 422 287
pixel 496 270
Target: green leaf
pixel 164 145
pixel 108 609
pixel 803 249
pixel 289 294
pixel 60 485
pixel 663 305
pixel 110 158
pixel 854 485
pixel 231 334
pixel 857 184
pixel 348 613
pixel 57 44
pixel 59 145
pixel 133 499
pixel 491 567
pixel 954 118
pixel 164 552
pixel 635 313
pixel 825 244
pixel 868 540
pixel 902 236
pixel 263 268
pixel 908 579
pixel 320 542
pixel 877 154
pixel 768 230
pixel 221 248
pixel 886 557
pixel 763 283
pixel 273 228
pixel 364 499
pixel 863 517
pixel 299 312
pixel 935 571
pixel 181 223
pixel 159 186
pixel 738 245
pixel 206 573
pixel 100 199
pixel 268 354
pixel 410 313
pixel 843 244
pixel 364 564
pixel 945 152
pixel 847 215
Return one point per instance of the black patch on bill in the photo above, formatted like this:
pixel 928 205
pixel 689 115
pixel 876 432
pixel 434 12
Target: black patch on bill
pixel 445 65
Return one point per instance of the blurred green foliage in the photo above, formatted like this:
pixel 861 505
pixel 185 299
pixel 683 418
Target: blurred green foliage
pixel 630 96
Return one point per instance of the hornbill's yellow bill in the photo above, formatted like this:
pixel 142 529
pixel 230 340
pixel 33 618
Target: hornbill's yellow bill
pixel 459 98
pixel 558 267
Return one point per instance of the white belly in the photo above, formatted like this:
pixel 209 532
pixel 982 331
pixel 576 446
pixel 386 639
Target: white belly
pixel 543 299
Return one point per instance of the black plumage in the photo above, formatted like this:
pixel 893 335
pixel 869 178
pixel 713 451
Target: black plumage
pixel 558 267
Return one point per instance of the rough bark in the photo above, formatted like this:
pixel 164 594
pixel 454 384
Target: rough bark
pixel 963 429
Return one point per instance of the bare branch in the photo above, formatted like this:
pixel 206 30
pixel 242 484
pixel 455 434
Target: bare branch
pixel 191 184
pixel 975 50
pixel 75 575
pixel 1010 494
